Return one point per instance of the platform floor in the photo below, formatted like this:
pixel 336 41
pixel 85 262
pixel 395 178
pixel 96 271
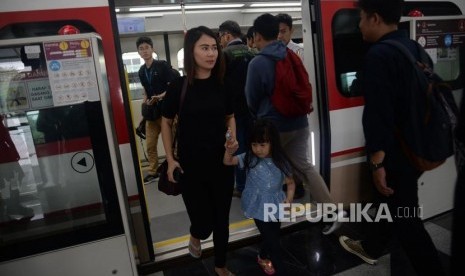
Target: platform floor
pixel 308 252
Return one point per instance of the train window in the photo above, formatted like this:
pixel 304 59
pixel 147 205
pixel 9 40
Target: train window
pixel 349 50
pixel 349 47
pixel 180 56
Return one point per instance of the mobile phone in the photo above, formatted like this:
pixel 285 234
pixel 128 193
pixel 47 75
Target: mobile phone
pixel 177 174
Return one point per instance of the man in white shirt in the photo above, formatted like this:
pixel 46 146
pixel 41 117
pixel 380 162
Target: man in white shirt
pixel 285 34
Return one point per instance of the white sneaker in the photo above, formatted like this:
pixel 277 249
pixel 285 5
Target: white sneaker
pixel 328 229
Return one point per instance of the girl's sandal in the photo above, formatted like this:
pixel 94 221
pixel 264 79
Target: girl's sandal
pixel 266 265
pixel 194 251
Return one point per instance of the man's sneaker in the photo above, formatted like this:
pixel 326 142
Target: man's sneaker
pixel 355 247
pixel 151 177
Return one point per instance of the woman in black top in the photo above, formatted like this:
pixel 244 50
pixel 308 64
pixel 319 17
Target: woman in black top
pixel 204 118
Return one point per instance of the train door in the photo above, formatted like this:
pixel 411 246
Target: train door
pixel 62 200
pixel 339 51
pixel 21 19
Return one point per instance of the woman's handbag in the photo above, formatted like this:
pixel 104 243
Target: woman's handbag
pixel 164 185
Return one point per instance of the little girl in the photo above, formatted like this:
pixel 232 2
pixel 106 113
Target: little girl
pixel 267 169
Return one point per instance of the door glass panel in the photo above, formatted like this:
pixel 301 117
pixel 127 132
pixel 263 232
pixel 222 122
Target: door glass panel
pixel 55 168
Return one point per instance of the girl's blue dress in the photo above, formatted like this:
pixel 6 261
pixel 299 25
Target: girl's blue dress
pixel 263 184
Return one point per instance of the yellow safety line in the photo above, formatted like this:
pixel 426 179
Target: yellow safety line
pixel 232 226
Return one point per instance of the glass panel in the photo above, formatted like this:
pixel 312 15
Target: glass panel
pixel 447 64
pixel 49 183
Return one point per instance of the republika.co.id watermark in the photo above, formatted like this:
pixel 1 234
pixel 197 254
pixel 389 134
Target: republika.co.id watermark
pixel 330 212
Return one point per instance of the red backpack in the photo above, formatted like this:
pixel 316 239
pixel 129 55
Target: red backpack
pixel 292 95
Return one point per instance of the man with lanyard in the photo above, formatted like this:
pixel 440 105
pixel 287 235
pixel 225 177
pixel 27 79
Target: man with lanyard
pixel 237 57
pixel 154 76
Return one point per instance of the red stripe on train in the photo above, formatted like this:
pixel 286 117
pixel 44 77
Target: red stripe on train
pixel 62 147
pixel 345 152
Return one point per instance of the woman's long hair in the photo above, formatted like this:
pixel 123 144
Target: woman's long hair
pixel 264 131
pixel 192 36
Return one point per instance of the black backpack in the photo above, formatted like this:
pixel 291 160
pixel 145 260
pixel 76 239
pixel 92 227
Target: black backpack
pixel 426 135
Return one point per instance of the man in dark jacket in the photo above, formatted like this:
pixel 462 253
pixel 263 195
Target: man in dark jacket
pixel 385 82
pixel 154 76
pixel 237 57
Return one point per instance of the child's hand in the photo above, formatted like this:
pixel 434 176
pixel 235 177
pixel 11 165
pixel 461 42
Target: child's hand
pixel 288 208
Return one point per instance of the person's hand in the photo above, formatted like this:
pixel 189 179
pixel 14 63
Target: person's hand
pixel 379 178
pixel 172 166
pixel 288 208
pixel 153 99
pixel 231 144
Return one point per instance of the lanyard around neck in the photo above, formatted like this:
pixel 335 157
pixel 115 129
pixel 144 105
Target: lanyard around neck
pixel 148 75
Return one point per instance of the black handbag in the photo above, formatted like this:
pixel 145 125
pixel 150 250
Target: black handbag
pixel 151 112
pixel 164 185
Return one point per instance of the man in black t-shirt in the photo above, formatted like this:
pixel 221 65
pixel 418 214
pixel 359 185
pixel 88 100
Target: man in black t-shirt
pixel 154 76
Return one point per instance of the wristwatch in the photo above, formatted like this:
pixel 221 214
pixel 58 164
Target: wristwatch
pixel 374 166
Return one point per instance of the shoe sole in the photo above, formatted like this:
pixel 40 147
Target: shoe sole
pixel 150 180
pixel 367 260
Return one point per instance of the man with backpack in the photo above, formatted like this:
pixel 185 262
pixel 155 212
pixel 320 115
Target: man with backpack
pixel 237 57
pixel 386 82
pixel 265 101
pixel 154 76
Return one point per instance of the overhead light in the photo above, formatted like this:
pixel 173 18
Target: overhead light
pixel 262 5
pixel 117 10
pixel 222 6
pixel 187 7
pixel 159 8
pixel 272 10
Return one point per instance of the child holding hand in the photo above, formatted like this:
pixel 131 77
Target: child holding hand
pixel 267 169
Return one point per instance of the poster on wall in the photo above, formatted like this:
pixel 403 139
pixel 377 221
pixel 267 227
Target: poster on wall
pixel 71 71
